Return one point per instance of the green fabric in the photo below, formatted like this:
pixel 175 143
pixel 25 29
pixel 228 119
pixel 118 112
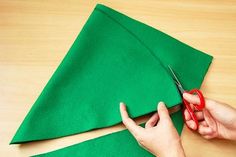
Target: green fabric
pixel 119 144
pixel 114 58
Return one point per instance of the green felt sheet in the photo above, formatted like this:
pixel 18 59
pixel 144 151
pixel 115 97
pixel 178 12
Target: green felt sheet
pixel 113 59
pixel 118 144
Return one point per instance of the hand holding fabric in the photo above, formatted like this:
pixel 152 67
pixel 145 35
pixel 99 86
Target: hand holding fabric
pixel 217 120
pixel 159 135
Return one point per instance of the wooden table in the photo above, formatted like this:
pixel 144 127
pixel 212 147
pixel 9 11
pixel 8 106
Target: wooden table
pixel 36 35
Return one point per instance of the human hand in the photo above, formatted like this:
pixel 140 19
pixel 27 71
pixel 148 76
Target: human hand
pixel 216 120
pixel 159 135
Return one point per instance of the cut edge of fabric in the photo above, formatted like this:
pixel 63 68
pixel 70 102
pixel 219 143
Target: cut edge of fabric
pixel 176 118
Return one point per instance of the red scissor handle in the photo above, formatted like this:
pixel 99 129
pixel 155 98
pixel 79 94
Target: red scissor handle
pixel 197 92
pixel 199 106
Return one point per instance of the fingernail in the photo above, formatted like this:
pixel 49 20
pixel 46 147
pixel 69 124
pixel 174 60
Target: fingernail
pixel 121 103
pixel 192 126
pixel 184 94
pixel 161 104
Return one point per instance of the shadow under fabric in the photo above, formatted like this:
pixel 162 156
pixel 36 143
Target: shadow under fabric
pixel 114 58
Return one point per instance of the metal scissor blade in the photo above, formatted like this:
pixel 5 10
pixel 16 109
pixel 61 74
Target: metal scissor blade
pixel 180 88
pixel 176 80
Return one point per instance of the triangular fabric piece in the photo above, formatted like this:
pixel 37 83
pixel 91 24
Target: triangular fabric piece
pixel 114 58
pixel 118 144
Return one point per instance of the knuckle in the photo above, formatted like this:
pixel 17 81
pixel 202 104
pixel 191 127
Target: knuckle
pixel 210 102
pixel 124 122
pixel 141 140
pixel 140 137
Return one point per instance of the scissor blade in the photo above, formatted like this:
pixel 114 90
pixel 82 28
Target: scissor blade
pixel 173 75
pixel 177 82
pixel 180 88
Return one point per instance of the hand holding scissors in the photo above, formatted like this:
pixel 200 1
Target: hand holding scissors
pixel 187 105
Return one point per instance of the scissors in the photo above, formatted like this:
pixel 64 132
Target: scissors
pixel 197 92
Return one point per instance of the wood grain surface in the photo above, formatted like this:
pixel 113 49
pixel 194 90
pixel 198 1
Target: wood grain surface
pixel 35 35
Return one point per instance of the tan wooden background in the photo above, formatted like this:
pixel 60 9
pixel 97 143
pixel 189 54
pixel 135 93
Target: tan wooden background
pixel 35 35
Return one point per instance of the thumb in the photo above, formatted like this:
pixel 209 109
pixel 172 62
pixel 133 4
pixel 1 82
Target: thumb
pixel 193 99
pixel 163 111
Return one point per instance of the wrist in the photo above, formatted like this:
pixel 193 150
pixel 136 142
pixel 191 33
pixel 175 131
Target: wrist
pixel 173 151
pixel 176 152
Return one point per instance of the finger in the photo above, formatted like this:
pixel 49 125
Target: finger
pixel 203 123
pixel 198 114
pixel 191 98
pixel 208 118
pixel 152 121
pixel 187 115
pixel 128 122
pixel 203 130
pixel 191 124
pixel 208 136
pixel 163 111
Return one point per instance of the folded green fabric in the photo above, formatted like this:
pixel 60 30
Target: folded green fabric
pixel 114 58
pixel 119 144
